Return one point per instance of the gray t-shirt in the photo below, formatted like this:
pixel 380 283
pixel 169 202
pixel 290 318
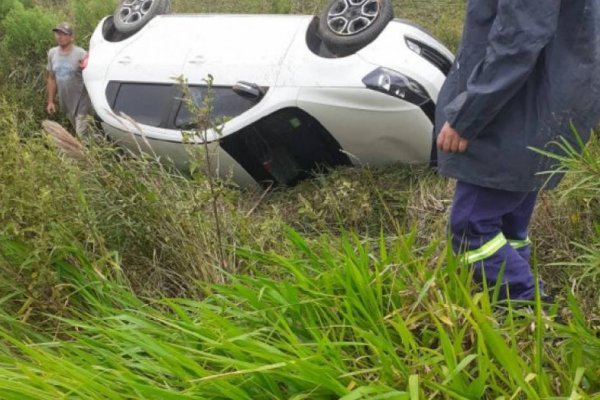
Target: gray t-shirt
pixel 72 95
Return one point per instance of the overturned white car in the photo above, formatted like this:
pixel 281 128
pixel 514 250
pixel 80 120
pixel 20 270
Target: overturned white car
pixel 351 86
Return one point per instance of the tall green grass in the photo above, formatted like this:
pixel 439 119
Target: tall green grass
pixel 580 194
pixel 351 320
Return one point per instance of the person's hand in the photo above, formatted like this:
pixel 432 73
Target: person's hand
pixel 449 140
pixel 51 108
pixel 84 62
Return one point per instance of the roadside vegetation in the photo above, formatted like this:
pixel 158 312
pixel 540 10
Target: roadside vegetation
pixel 116 284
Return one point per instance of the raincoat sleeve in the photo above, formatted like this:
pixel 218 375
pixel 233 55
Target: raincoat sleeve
pixel 521 29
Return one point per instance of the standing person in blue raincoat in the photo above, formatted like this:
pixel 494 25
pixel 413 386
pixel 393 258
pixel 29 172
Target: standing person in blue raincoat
pixel 527 71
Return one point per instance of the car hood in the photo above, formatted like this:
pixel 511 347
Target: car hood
pixel 230 48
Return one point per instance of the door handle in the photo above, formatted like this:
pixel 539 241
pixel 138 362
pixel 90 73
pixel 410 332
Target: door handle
pixel 125 60
pixel 197 60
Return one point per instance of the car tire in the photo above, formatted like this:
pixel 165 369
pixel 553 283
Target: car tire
pixel 346 26
pixel 131 15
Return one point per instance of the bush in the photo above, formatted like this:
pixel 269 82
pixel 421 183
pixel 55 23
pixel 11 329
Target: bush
pixel 23 48
pixel 37 199
pixel 8 5
pixel 160 224
pixel 27 36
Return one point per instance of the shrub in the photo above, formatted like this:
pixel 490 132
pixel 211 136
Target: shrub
pixel 6 6
pixel 37 200
pixel 27 35
pixel 23 48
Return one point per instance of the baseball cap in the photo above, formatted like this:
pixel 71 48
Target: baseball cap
pixel 64 27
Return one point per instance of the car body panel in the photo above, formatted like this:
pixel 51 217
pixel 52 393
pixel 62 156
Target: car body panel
pixel 224 46
pixel 390 50
pixel 304 68
pixel 136 59
pixel 370 126
pixel 230 48
pixel 222 163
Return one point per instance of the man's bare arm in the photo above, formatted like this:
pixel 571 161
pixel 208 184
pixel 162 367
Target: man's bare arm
pixel 51 89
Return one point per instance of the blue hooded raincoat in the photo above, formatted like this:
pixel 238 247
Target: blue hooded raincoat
pixel 526 73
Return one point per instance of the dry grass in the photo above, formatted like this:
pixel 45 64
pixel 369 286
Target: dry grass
pixel 64 141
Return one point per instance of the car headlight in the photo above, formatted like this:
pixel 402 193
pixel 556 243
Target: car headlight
pixel 398 85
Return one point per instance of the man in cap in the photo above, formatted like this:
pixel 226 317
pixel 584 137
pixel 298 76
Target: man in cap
pixel 65 64
pixel 526 73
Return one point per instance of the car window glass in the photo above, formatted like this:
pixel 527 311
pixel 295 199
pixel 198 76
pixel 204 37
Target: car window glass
pixel 226 103
pixel 145 103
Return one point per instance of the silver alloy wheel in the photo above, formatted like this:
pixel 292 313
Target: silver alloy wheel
pixel 133 11
pixel 349 17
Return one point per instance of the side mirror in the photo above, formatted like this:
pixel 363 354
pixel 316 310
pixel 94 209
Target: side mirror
pixel 249 90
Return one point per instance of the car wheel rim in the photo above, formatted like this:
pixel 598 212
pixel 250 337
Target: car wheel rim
pixel 133 11
pixel 349 17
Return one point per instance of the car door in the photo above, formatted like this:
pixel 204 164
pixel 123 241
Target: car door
pixel 157 53
pixel 234 48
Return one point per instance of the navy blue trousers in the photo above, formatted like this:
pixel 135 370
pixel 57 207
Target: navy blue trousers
pixel 489 228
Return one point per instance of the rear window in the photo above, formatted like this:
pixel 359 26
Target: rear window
pixel 226 104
